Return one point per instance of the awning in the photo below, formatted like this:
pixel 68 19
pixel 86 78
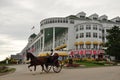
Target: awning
pixel 88 51
pixel 81 52
pixel 87 42
pixel 57 48
pixel 62 53
pixel 95 42
pixel 100 43
pixel 71 53
pixel 42 54
pixel 76 43
pixel 94 52
pixel 60 47
pixel 63 46
pixel 81 42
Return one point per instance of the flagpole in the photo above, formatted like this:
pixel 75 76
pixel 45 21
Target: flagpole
pixel 33 29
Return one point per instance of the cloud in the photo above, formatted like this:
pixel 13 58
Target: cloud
pixel 10 45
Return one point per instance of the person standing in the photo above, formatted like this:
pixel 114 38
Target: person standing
pixel 51 54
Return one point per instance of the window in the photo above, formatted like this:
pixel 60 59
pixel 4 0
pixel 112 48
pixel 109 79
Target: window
pixel 95 46
pixel 104 19
pixel 66 21
pixel 76 47
pixel 58 20
pixel 100 36
pixel 100 29
pixel 72 22
pixel 81 46
pixel 100 46
pixel 95 35
pixel 88 27
pixel 88 34
pixel 41 24
pixel 82 16
pixel 76 28
pixel 63 21
pixel 55 21
pixel 94 27
pixel 81 27
pixel 81 35
pixel 76 36
pixel 88 46
pixel 50 21
pixel 95 18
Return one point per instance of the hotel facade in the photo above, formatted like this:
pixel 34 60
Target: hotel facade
pixel 74 34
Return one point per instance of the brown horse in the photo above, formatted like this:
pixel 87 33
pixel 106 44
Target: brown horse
pixel 49 60
pixel 34 61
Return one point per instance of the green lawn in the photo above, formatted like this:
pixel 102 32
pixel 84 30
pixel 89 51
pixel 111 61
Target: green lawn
pixel 7 71
pixel 91 64
pixel 4 69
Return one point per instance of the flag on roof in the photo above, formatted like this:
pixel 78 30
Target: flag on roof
pixel 33 27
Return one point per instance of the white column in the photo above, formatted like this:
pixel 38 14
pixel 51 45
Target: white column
pixel 105 35
pixel 53 38
pixel 43 39
pixel 40 43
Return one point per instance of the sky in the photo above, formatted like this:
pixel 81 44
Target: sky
pixel 17 17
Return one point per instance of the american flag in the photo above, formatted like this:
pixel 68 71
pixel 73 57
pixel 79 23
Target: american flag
pixel 33 27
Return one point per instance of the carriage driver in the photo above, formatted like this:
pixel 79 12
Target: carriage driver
pixel 51 54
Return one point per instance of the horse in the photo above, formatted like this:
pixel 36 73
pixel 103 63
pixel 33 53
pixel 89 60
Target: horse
pixel 48 60
pixel 34 61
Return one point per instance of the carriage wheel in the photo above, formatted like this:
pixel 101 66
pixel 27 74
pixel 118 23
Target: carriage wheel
pixel 57 68
pixel 47 69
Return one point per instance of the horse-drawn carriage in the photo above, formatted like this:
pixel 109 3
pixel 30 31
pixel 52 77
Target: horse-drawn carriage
pixel 47 62
pixel 54 64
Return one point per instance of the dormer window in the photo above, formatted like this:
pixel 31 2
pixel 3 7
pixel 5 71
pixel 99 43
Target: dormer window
pixel 103 18
pixel 116 19
pixel 81 15
pixel 94 18
pixel 72 21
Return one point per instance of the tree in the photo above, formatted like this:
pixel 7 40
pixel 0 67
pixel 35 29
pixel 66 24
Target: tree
pixel 113 42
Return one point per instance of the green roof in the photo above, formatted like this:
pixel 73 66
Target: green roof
pixel 33 35
pixel 72 17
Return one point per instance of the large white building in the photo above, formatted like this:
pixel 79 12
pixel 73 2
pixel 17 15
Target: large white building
pixel 78 34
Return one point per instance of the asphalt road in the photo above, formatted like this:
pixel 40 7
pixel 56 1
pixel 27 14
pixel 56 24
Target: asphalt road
pixel 101 73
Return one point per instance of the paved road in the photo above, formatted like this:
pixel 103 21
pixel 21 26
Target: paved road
pixel 101 73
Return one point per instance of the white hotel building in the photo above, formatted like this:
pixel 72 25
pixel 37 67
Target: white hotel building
pixel 77 34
